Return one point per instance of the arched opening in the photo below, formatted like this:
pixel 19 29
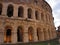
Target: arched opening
pixel 7 36
pixel 38 33
pixel 30 34
pixel 42 16
pixel 29 13
pixel 20 34
pixel 37 15
pixel 0 9
pixel 10 11
pixel 20 11
pixel 36 1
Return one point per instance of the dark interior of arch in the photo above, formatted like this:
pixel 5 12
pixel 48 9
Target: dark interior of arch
pixel 8 36
pixel 36 14
pixel 29 13
pixel 30 34
pixel 8 32
pixel 36 1
pixel 0 9
pixel 38 33
pixel 19 35
pixel 20 12
pixel 10 11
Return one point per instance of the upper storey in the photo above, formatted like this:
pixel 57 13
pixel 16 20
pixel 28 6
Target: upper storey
pixel 41 3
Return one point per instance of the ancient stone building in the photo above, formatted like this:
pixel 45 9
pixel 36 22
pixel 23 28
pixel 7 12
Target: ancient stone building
pixel 58 31
pixel 26 21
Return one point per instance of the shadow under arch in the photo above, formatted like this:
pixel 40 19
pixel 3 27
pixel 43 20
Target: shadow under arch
pixel 10 10
pixel 29 13
pixel 7 34
pixel 30 34
pixel 38 33
pixel 20 34
pixel 1 6
pixel 20 11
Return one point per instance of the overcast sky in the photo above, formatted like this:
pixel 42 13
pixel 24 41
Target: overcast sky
pixel 55 4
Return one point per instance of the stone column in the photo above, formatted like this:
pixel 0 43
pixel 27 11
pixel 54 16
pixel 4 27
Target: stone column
pixel 14 35
pixel 50 34
pixel 4 9
pixel 35 34
pixel 1 33
pixel 41 36
pixel 40 16
pixel 25 34
pixel 33 14
pixel 54 34
pixel 45 35
pixel 1 37
pixel 15 12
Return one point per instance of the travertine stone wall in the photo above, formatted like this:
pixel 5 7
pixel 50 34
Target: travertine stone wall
pixel 45 23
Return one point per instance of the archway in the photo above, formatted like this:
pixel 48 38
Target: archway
pixel 20 11
pixel 10 10
pixel 20 34
pixel 42 16
pixel 7 37
pixel 0 9
pixel 30 13
pixel 36 15
pixel 38 33
pixel 30 34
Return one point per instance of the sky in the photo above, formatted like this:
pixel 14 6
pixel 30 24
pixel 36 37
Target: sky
pixel 55 4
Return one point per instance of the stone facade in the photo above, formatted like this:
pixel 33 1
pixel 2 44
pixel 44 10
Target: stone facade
pixel 58 31
pixel 26 21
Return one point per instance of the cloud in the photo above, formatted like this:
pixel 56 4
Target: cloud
pixel 56 11
pixel 52 3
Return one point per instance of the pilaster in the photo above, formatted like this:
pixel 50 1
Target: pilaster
pixel 14 35
pixel 35 35
pixel 41 36
pixel 4 9
pixel 15 12
pixel 25 34
pixel 33 14
pixel 25 12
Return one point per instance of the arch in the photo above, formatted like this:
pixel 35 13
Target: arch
pixel 20 11
pixel 29 13
pixel 20 34
pixel 37 15
pixel 36 1
pixel 38 33
pixel 42 16
pixel 7 34
pixel 10 10
pixel 1 9
pixel 30 34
